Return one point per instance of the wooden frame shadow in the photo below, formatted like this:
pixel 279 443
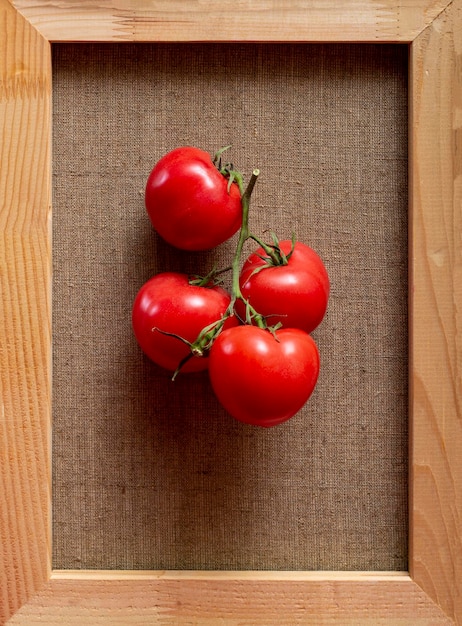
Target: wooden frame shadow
pixel 431 592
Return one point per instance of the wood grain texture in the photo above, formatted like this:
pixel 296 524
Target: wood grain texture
pixel 242 20
pixel 24 310
pixel 349 600
pixel 432 594
pixel 436 310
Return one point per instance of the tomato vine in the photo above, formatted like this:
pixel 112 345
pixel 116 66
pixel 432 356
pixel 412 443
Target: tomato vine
pixel 271 368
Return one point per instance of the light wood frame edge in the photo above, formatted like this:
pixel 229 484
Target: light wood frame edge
pixel 431 592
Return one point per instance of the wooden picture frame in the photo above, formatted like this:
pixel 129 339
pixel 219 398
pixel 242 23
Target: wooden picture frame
pixel 431 591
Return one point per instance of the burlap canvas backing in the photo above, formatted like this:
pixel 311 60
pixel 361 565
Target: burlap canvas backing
pixel 148 473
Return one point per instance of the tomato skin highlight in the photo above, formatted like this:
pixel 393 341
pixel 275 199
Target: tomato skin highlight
pixel 168 302
pixel 296 294
pixel 261 380
pixel 188 202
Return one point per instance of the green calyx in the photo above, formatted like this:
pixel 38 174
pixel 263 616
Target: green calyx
pixel 275 256
pixel 209 280
pixel 228 171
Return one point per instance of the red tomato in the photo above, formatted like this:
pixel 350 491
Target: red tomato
pixel 188 201
pixel 168 302
pixel 261 380
pixel 295 294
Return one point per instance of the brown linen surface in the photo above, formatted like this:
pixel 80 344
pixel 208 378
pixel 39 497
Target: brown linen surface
pixel 151 474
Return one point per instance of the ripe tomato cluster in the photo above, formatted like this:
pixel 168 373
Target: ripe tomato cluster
pixel 255 341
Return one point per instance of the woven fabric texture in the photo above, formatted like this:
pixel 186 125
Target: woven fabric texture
pixel 151 474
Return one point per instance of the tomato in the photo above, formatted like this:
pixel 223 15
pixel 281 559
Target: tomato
pixel 188 201
pixel 167 303
pixel 296 294
pixel 263 379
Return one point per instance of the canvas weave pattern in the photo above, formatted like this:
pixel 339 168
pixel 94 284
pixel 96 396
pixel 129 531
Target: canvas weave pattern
pixel 150 474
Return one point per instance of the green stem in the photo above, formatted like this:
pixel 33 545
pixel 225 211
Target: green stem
pixel 208 334
pixel 243 235
pixel 206 338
